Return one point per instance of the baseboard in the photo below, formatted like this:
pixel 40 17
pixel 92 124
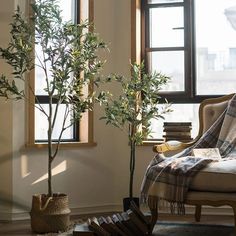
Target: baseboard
pixel 5 216
pixel 86 210
pixel 5 213
pixel 96 209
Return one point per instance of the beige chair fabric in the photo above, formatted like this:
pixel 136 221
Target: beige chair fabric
pixel 215 185
pixel 216 177
pixel 211 112
pixel 220 176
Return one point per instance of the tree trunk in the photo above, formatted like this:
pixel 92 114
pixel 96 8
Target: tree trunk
pixel 49 177
pixel 50 148
pixel 132 168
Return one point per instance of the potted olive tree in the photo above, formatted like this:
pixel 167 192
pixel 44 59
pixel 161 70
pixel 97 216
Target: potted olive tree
pixel 69 64
pixel 133 110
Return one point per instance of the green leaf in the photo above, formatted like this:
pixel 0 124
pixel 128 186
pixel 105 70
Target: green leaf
pixel 136 104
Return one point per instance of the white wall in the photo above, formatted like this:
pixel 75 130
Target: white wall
pixel 96 178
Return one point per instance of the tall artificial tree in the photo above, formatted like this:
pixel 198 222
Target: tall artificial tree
pixel 69 63
pixel 135 107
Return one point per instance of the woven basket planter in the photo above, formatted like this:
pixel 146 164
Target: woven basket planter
pixel 50 214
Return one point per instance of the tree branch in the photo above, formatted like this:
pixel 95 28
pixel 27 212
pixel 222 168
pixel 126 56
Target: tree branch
pixel 66 113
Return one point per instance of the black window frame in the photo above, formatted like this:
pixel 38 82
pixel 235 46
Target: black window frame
pixel 189 94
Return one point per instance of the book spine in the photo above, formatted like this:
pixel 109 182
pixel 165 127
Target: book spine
pixel 120 225
pixel 94 225
pixel 176 137
pixel 130 224
pixel 139 213
pixel 177 123
pixel 178 133
pixel 139 224
pixel 177 129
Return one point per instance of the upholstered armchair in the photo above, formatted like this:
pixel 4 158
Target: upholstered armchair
pixel 215 184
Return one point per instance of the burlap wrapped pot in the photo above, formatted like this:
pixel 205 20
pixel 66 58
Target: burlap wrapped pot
pixel 50 214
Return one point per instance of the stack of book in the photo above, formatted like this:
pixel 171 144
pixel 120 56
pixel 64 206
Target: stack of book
pixel 180 131
pixel 130 223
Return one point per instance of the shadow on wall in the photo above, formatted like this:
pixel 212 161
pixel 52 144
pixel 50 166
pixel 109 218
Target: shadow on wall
pixel 6 198
pixel 30 178
pixel 29 174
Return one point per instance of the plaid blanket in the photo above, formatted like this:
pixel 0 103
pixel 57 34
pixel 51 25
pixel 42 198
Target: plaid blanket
pixel 169 178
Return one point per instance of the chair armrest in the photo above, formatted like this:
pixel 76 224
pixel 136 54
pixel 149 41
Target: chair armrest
pixel 171 146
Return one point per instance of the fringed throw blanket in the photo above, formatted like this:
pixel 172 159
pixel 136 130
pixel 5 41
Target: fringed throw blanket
pixel 169 178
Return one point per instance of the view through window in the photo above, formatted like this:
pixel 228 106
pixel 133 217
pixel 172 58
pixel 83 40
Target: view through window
pixel 215 47
pixel 194 43
pixel 68 8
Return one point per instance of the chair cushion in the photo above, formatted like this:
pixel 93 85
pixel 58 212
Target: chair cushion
pixel 216 177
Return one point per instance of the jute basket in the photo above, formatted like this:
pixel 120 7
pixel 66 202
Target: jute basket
pixel 50 214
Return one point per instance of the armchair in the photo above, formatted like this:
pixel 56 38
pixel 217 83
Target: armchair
pixel 220 187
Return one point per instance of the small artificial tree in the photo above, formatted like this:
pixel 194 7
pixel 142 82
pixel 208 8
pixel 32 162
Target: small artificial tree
pixel 135 107
pixel 69 63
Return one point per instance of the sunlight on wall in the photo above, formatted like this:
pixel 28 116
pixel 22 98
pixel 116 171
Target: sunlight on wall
pixel 24 166
pixel 55 171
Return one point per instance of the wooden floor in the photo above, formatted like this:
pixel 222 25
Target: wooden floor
pixel 22 228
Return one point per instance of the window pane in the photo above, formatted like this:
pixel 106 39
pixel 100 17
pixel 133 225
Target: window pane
pixel 41 124
pixel 166 27
pixel 181 113
pixel 40 81
pixel 68 14
pixel 215 47
pixel 170 63
pixel 163 1
pixel 68 9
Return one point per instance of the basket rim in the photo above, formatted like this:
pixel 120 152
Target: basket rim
pixel 45 195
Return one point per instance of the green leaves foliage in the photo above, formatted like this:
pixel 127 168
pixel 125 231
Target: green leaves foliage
pixel 134 108
pixel 18 54
pixel 7 88
pixel 69 57
pixel 137 103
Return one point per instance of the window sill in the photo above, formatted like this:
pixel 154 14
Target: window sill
pixel 64 145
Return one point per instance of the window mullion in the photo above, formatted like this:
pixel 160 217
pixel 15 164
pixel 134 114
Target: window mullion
pixel 156 49
pixel 188 44
pixel 156 5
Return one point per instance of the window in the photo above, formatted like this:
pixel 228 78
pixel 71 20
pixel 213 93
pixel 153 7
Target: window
pixel 74 10
pixel 69 13
pixel 215 38
pixel 165 43
pixel 194 43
